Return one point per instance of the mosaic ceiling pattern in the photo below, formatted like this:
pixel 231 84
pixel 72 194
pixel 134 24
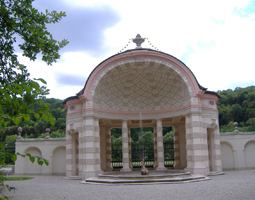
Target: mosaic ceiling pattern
pixel 141 86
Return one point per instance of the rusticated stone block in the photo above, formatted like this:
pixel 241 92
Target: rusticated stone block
pixel 196 146
pixel 160 149
pixel 69 141
pixel 196 135
pixel 69 161
pixel 69 151
pixel 161 159
pixel 125 150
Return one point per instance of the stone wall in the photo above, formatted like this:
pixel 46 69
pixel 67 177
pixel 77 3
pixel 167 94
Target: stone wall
pixel 237 150
pixel 53 149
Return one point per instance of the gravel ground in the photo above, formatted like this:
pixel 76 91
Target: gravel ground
pixel 233 185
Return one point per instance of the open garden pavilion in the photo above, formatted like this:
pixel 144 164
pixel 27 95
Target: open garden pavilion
pixel 164 91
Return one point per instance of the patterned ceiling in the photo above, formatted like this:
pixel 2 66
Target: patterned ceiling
pixel 140 86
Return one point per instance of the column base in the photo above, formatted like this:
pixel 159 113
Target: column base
pixel 89 174
pixel 202 171
pixel 125 170
pixel 179 167
pixel 161 169
pixel 108 169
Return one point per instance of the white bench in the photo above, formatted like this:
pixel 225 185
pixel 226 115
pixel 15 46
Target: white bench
pixel 6 170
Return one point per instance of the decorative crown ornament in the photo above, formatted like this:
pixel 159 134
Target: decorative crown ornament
pixel 138 40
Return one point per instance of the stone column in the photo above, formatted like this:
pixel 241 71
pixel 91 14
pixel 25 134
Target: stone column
pixel 176 148
pixel 210 142
pixel 217 150
pixel 69 155
pixel 182 146
pixel 129 149
pixel 81 154
pixel 205 150
pixel 108 150
pixel 196 147
pixel 74 155
pixel 91 148
pixel 160 147
pixel 125 148
pixel 155 148
pixel 103 148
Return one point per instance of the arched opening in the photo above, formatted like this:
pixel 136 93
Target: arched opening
pixel 73 152
pixel 227 156
pixel 116 148
pixel 168 141
pixel 249 150
pixel 29 167
pixel 140 86
pixel 142 146
pixel 59 161
pixel 210 144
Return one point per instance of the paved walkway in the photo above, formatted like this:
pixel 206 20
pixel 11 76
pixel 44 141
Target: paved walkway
pixel 234 185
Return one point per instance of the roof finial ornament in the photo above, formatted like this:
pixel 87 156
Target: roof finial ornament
pixel 236 128
pixel 138 40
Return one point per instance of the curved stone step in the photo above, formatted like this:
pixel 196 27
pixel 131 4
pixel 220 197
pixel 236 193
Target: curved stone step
pixel 153 178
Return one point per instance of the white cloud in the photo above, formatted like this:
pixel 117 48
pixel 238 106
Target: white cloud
pixel 222 42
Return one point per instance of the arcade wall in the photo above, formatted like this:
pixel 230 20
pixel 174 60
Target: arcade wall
pixel 54 150
pixel 237 152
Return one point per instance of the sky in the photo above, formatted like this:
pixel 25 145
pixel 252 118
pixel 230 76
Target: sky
pixel 215 39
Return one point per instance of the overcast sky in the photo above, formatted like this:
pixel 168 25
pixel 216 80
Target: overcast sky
pixel 215 39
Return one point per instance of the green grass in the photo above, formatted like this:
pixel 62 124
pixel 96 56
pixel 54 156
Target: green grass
pixel 11 178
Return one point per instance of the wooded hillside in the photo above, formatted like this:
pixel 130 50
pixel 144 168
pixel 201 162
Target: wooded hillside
pixel 234 106
pixel 237 106
pixel 35 128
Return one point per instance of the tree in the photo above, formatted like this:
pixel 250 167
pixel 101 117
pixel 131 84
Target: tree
pixel 18 91
pixel 11 138
pixel 169 137
pixel 237 112
pixel 18 19
pixel 251 123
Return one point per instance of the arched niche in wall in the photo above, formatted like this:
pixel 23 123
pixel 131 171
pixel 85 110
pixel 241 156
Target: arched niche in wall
pixel 249 150
pixel 227 156
pixel 59 161
pixel 29 167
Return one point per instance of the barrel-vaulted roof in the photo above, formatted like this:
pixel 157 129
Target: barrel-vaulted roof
pixel 140 80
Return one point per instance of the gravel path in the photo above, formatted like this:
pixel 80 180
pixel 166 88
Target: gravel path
pixel 233 185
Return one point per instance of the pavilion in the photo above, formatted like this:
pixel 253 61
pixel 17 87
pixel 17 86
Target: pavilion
pixel 160 87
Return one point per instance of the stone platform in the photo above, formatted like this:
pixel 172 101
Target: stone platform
pixel 154 177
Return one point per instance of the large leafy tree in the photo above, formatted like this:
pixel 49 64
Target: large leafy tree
pixel 24 29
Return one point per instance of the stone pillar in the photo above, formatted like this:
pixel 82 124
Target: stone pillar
pixel 205 150
pixel 160 147
pixel 81 155
pixel 182 146
pixel 74 155
pixel 196 146
pixel 155 148
pixel 176 148
pixel 108 150
pixel 210 142
pixel 125 148
pixel 91 148
pixel 217 150
pixel 129 149
pixel 69 153
pixel 103 148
